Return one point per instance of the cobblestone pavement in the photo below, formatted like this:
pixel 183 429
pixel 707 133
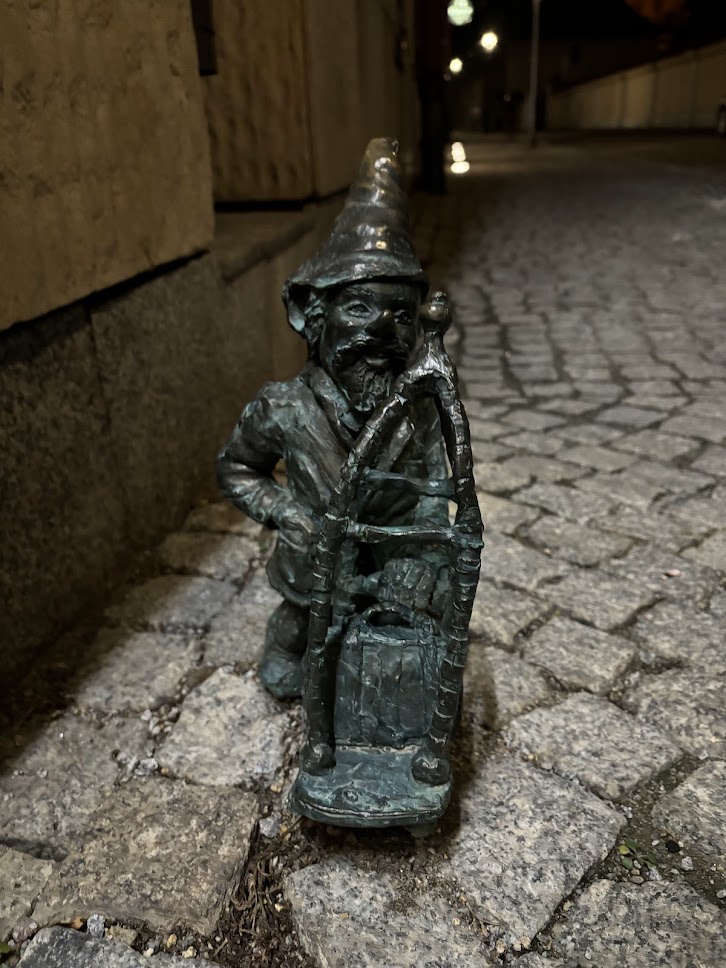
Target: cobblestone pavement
pixel 144 804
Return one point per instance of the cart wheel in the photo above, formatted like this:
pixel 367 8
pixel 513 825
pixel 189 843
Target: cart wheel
pixel 429 768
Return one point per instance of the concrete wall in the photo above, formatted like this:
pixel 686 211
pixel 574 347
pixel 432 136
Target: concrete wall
pixel 297 96
pixel 676 92
pixel 105 164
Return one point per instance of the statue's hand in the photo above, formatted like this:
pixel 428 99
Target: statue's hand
pixel 298 527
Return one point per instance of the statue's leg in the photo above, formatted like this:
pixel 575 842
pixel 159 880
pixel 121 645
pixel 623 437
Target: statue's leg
pixel 285 641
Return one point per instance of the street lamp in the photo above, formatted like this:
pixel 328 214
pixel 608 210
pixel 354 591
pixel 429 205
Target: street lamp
pixel 460 12
pixel 456 65
pixel 489 41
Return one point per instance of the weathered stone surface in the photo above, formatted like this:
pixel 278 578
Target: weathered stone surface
pixel 589 738
pixel 63 948
pixel 222 517
pixel 695 812
pixel 614 924
pixel 500 613
pixel 685 635
pixel 702 512
pixel 623 488
pixel 657 445
pixel 712 461
pixel 578 656
pixel 525 840
pixel 630 416
pixel 89 76
pixel 161 852
pixel 688 706
pixel 532 420
pixel 50 784
pixel 230 731
pixel 237 633
pixel 575 542
pixel 660 529
pixel 599 458
pixel 542 468
pixel 711 552
pixel 599 599
pixel 534 443
pixel 566 501
pixel 348 916
pixel 171 601
pixel 499 686
pixel 669 478
pixel 704 428
pixel 518 565
pixel 539 961
pixel 135 670
pixel 500 478
pixel 667 575
pixel 502 515
pixel 224 556
pixel 22 878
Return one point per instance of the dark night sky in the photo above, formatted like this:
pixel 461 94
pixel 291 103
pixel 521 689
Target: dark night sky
pixel 583 18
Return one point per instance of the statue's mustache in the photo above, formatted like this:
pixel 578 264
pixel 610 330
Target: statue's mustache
pixel 359 346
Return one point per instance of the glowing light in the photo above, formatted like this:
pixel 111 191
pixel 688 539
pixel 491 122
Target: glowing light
pixel 456 65
pixel 460 167
pixel 489 41
pixel 460 12
pixel 457 152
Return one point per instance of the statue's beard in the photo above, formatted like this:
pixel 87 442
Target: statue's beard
pixel 365 388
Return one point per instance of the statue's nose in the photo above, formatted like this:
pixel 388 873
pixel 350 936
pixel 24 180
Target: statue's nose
pixel 384 323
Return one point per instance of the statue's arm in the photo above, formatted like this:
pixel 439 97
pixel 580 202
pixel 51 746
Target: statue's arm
pixel 246 463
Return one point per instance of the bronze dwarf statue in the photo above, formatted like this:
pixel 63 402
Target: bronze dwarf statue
pixel 377 581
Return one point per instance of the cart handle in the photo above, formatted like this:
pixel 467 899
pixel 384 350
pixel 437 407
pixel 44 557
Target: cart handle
pixel 372 477
pixel 373 533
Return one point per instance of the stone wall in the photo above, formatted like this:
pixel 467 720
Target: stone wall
pixel 114 409
pixel 297 97
pixel 105 161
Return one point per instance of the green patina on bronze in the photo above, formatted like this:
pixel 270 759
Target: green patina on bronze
pixel 378 582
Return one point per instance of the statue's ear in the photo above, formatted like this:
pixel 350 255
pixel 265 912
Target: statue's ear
pixel 295 299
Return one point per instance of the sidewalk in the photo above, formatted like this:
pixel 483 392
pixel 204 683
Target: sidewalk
pixel 143 802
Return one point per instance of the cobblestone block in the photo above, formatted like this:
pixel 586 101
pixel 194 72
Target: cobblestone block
pixel 222 517
pixel 669 478
pixel 230 732
pixel 594 741
pixel 599 599
pixel 532 420
pixel 587 434
pixel 569 503
pixel 660 529
pixel 502 515
pixel 706 513
pixel 500 613
pixel 656 445
pixel 695 812
pixel 237 634
pixel 667 404
pixel 575 542
pixel 135 670
pixel 622 488
pixel 22 878
pixel 578 656
pixel 544 468
pixel 569 408
pixel 711 552
pixel 486 429
pixel 668 575
pixel 711 461
pixel 599 458
pixel 688 706
pixel 225 556
pixel 500 478
pixel 171 601
pixel 499 686
pixel 704 428
pixel 162 853
pixel 521 566
pixel 524 841
pixel 59 947
pixel 347 916
pixel 685 635
pixel 615 924
pixel 655 388
pixel 630 416
pixel 545 444
pixel 52 783
pixel 547 390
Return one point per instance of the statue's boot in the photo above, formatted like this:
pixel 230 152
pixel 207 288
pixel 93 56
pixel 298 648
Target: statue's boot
pixel 286 638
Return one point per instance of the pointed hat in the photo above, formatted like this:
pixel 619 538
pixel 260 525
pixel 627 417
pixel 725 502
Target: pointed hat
pixel 370 238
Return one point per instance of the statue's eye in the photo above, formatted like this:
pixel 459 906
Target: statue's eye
pixel 403 317
pixel 358 309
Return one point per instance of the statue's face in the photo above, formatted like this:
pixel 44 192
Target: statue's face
pixel 369 333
